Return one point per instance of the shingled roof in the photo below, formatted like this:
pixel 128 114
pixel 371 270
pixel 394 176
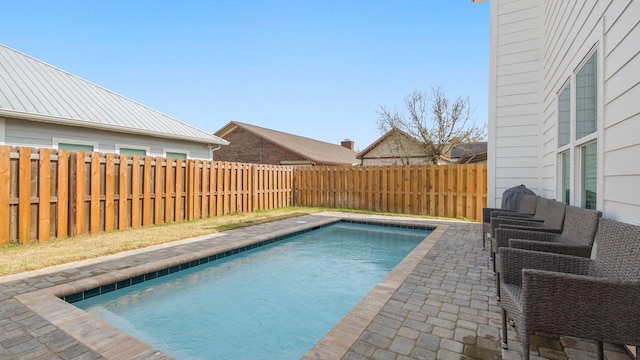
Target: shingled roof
pixel 33 90
pixel 316 151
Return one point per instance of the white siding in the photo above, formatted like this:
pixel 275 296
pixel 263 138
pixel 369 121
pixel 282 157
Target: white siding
pixel 621 143
pixel 34 134
pixel 514 97
pixel 523 94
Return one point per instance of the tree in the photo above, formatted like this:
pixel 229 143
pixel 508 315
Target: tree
pixel 436 122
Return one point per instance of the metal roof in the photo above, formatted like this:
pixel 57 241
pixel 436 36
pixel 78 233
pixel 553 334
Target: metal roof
pixel 319 152
pixel 33 90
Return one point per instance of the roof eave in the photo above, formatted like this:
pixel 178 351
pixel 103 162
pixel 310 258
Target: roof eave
pixel 93 125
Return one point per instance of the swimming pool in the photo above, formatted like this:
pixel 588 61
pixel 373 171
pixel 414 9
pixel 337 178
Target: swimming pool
pixel 258 287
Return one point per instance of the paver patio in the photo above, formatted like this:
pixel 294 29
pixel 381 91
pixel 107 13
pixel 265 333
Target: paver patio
pixel 438 305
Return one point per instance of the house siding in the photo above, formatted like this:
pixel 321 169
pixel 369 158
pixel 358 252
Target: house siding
pixel 569 30
pixel 382 155
pixel 514 97
pixel 18 132
pixel 621 53
pixel 245 146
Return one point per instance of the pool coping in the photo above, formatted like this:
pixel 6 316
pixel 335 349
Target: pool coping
pixel 101 337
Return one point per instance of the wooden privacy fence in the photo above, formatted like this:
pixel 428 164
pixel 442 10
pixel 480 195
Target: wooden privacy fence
pixel 434 190
pixel 46 193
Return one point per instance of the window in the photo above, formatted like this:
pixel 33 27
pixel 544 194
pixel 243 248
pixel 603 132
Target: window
pixel 74 144
pixel 130 151
pixel 578 136
pixel 589 172
pixel 75 147
pixel 586 99
pixel 565 163
pixel 175 155
pixel 564 116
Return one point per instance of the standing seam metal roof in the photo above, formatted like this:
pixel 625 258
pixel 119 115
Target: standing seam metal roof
pixel 32 89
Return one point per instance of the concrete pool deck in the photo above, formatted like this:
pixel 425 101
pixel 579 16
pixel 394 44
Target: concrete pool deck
pixel 438 303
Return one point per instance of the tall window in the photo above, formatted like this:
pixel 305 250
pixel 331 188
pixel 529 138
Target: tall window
pixel 577 136
pixel 586 98
pixel 565 176
pixel 564 116
pixel 589 157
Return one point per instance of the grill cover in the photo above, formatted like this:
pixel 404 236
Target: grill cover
pixel 511 197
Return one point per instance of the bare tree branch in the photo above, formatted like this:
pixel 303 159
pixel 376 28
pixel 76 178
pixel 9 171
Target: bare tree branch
pixel 437 122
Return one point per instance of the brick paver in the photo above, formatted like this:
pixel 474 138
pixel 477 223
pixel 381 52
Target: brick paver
pixel 440 305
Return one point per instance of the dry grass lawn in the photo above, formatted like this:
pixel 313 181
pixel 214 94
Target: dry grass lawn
pixel 20 258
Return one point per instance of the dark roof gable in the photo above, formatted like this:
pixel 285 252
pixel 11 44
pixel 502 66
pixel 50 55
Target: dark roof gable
pixel 319 152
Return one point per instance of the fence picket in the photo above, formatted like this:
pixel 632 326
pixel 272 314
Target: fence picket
pixel 5 186
pixel 44 195
pixel 157 191
pixel 62 204
pixel 109 191
pixel 123 193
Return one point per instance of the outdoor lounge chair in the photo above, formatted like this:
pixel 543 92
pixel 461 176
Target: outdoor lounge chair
pixel 549 218
pixel 526 209
pixel 498 217
pixel 577 237
pixel 568 295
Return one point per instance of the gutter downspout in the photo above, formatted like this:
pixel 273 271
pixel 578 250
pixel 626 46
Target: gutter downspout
pixel 211 149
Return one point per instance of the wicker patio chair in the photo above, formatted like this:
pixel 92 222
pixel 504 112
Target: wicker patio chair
pixel 527 209
pixel 577 237
pixel 568 295
pixel 550 218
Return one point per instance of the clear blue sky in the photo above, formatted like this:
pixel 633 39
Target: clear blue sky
pixel 313 68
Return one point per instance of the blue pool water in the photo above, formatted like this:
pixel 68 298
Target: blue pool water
pixel 272 302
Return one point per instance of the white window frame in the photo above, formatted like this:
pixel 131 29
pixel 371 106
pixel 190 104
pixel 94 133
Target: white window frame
pixel 574 147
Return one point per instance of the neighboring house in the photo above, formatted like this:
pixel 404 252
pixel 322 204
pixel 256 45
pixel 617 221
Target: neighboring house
pixel 470 153
pixel 258 145
pixel 45 107
pixel 396 147
pixel 564 109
